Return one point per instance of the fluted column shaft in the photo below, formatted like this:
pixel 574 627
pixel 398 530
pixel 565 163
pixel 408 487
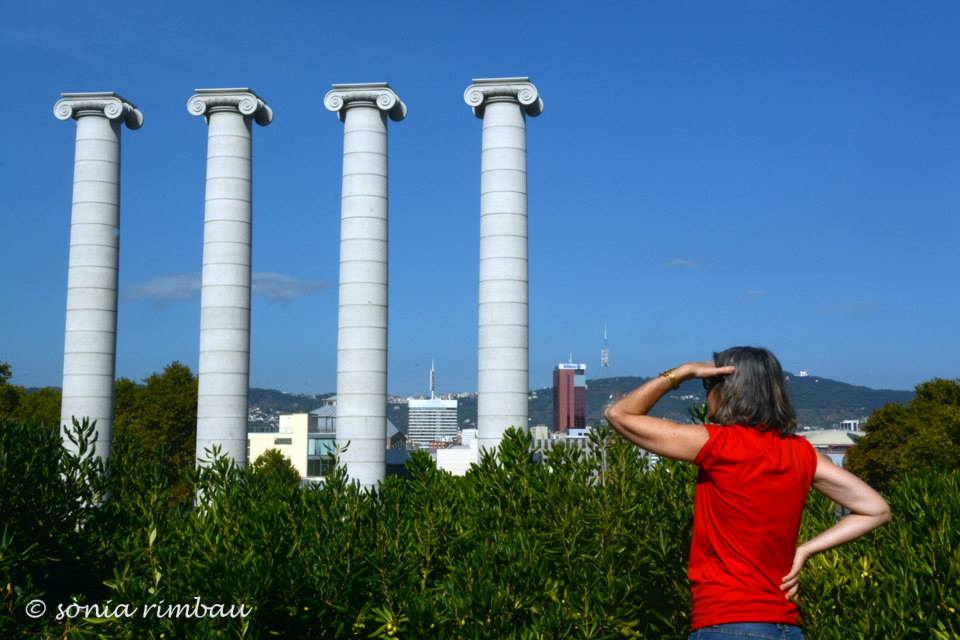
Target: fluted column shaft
pixel 224 369
pixel 90 340
pixel 363 313
pixel 503 326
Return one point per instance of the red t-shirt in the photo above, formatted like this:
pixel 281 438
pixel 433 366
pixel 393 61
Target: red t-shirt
pixel 751 490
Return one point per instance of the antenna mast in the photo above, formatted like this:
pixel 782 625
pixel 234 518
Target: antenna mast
pixel 604 352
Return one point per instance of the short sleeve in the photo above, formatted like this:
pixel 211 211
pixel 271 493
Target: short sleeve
pixel 711 450
pixel 811 455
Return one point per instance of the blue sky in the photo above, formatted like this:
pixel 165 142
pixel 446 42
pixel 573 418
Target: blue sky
pixel 704 174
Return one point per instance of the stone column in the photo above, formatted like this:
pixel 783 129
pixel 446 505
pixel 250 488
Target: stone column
pixel 224 371
pixel 90 342
pixel 362 324
pixel 503 363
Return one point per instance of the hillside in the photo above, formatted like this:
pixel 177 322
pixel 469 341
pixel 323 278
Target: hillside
pixel 270 400
pixel 818 401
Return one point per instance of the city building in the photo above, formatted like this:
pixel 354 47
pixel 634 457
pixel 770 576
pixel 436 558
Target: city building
pixel 327 415
pixel 431 420
pixel 834 443
pixel 578 432
pixel 432 423
pixel 854 425
pixel 457 459
pixel 569 396
pixel 539 435
pixel 303 438
pixel 308 441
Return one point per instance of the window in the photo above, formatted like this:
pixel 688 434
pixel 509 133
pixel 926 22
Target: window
pixel 283 441
pixel 318 467
pixel 319 447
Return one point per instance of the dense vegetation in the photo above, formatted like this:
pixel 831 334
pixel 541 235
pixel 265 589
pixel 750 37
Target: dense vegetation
pixel 40 406
pixel 900 438
pixel 158 417
pixel 580 545
pixel 514 549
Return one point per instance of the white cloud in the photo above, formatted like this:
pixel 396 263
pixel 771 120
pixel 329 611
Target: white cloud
pixel 276 287
pixel 165 289
pixel 281 288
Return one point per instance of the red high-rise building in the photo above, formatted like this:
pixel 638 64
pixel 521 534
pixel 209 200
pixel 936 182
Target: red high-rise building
pixel 569 396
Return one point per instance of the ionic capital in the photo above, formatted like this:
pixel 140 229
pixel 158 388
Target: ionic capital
pixel 379 94
pixel 521 90
pixel 242 100
pixel 101 103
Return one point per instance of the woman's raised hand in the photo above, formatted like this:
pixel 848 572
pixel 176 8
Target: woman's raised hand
pixel 693 370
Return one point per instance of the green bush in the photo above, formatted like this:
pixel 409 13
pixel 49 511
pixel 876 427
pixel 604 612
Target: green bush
pixel 900 439
pixel 527 545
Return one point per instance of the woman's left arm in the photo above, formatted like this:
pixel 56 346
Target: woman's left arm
pixel 659 436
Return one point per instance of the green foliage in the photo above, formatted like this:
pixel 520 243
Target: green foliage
pixel 10 395
pixel 41 407
pixel 530 544
pixel 698 413
pixel 903 580
pixel 900 439
pixel 273 466
pixel 47 498
pixel 159 420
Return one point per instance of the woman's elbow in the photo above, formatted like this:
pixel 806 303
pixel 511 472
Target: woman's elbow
pixel 611 415
pixel 885 516
pixel 882 513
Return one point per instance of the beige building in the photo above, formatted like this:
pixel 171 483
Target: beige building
pixel 307 440
pixel 303 438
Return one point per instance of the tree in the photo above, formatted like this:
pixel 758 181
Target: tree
pixel 275 467
pixel 124 404
pixel 899 439
pixel 10 395
pixel 41 407
pixel 161 417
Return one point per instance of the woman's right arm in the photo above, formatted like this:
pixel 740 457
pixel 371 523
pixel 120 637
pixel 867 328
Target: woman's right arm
pixel 868 510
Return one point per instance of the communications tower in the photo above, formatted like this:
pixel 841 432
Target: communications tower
pixel 604 352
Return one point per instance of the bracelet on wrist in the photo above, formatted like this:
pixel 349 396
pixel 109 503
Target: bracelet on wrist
pixel 674 380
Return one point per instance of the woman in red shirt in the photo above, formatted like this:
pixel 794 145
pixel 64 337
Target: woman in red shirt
pixel 753 482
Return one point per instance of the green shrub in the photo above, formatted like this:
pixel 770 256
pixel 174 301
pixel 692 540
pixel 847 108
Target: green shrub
pixel 559 544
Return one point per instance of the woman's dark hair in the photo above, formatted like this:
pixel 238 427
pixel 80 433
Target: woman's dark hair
pixel 754 395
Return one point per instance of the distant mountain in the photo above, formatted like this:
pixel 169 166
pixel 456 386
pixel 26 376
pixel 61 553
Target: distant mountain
pixel 270 400
pixel 818 401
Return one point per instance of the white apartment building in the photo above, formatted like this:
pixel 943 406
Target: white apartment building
pixel 855 425
pixel 457 460
pixel 431 420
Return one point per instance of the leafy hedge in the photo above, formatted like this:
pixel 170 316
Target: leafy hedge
pixel 576 545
